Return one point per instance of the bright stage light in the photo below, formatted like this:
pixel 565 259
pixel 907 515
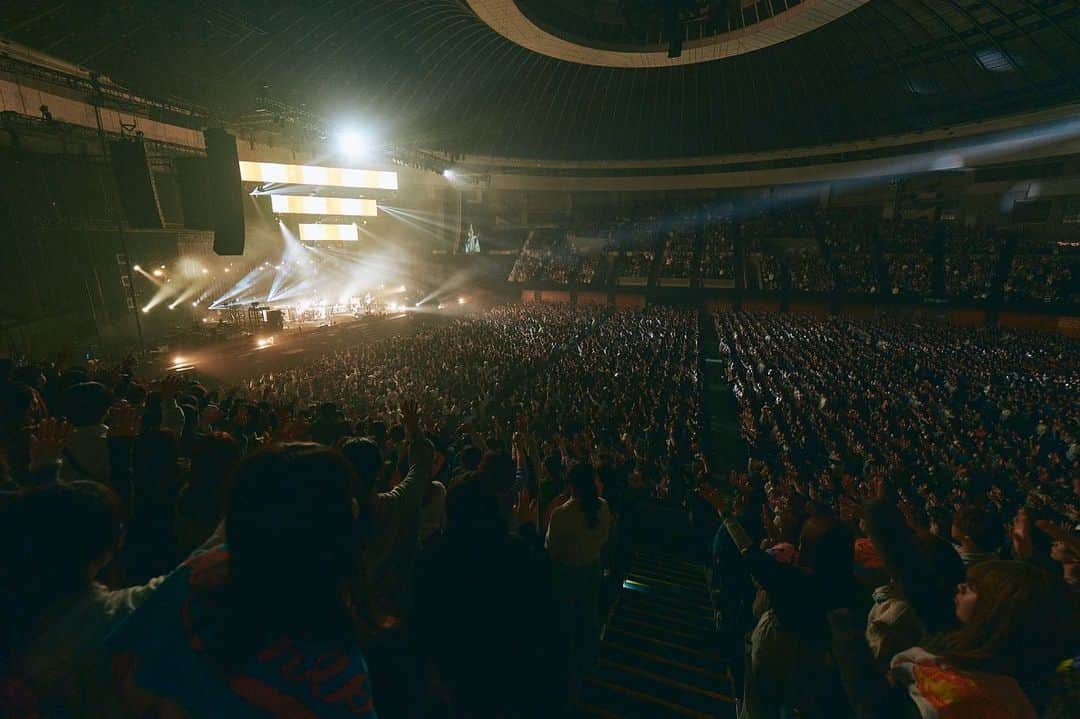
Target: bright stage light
pixel 137 268
pixel 159 273
pixel 329 233
pixel 461 300
pixel 178 360
pixel 305 205
pixel 355 143
pixel 448 174
pixel 205 271
pixel 145 310
pixel 273 172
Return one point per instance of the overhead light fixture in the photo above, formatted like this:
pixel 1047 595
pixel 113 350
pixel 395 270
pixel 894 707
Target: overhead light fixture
pixel 329 233
pixel 355 143
pixel 305 205
pixel 276 173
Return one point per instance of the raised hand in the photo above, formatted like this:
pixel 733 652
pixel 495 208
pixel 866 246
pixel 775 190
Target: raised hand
pixel 711 495
pixel 48 441
pixel 1021 535
pixel 527 509
pixel 170 385
pixel 410 418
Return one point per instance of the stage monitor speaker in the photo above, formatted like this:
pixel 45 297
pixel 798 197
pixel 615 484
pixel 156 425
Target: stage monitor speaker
pixel 226 193
pixel 194 177
pixel 135 183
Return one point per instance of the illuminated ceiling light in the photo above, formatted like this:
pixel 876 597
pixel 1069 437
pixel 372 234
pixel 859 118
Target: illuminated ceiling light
pixel 304 205
pixel 995 60
pixel 273 172
pixel 355 143
pixel 329 233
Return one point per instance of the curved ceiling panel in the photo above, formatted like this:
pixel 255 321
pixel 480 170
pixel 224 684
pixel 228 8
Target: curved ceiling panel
pixel 506 18
pixel 431 73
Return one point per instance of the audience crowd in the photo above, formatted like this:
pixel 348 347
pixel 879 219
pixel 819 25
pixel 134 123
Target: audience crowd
pixel 417 527
pixel 678 256
pixel 809 272
pixel 902 539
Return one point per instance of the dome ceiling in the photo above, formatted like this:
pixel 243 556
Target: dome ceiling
pixel 654 33
pixel 434 74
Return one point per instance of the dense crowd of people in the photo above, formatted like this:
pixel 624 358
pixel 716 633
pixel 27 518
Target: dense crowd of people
pixel 809 271
pixel 1043 277
pixel 678 258
pixel 635 264
pixel 421 526
pixel 853 248
pixel 415 527
pixel 890 467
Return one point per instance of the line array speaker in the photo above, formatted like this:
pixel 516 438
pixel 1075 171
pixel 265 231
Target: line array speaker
pixel 226 193
pixel 135 183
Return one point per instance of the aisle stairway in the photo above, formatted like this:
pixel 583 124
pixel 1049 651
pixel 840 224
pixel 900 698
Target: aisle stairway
pixel 658 655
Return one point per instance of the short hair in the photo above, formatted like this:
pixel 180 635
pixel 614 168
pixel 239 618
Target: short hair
pixel 52 534
pixel 497 469
pixel 980 525
pixel 470 457
pixel 289 515
pixel 366 459
pixel 87 403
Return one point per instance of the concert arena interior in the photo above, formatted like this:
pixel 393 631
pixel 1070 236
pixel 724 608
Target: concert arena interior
pixel 519 359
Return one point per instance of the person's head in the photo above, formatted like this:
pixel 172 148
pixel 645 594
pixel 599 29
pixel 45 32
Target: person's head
pixel 497 469
pixel 213 458
pixel 553 468
pixel 87 403
pixel 378 432
pixel 56 539
pixel 470 458
pixel 290 523
pixel 365 456
pixel 977 527
pixel 1016 620
pixel 327 412
pixel 16 402
pixel 472 509
pixel 154 459
pixel 827 547
pixel 582 479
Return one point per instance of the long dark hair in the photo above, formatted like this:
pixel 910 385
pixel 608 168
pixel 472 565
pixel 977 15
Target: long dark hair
pixel 293 568
pixel 1022 622
pixel 582 480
